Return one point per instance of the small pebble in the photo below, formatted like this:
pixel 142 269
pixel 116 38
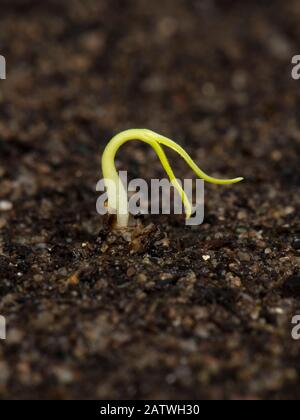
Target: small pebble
pixel 130 272
pixel 63 272
pixel 278 311
pixel 165 276
pixel 64 375
pixel 41 246
pixel 243 256
pixel 206 257
pixel 5 205
pixel 73 280
pixel 242 215
pixel 142 278
pixel 288 211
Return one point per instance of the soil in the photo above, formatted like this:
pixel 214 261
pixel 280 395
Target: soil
pixel 172 312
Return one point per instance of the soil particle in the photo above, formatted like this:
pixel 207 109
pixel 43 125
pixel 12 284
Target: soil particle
pixel 5 205
pixel 73 280
pixel 244 257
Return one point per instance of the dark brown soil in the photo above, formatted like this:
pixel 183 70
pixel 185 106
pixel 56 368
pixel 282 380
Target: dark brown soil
pixel 91 314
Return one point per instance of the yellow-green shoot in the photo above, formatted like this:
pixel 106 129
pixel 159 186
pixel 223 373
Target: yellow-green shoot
pixel 116 193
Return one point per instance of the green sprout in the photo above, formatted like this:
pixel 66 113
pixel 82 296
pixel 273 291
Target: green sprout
pixel 116 193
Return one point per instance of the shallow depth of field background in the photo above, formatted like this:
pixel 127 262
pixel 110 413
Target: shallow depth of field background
pixel 174 312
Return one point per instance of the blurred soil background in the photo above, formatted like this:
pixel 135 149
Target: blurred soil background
pixel 169 311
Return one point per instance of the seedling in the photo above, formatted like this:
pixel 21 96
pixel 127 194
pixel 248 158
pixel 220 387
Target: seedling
pixel 116 193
